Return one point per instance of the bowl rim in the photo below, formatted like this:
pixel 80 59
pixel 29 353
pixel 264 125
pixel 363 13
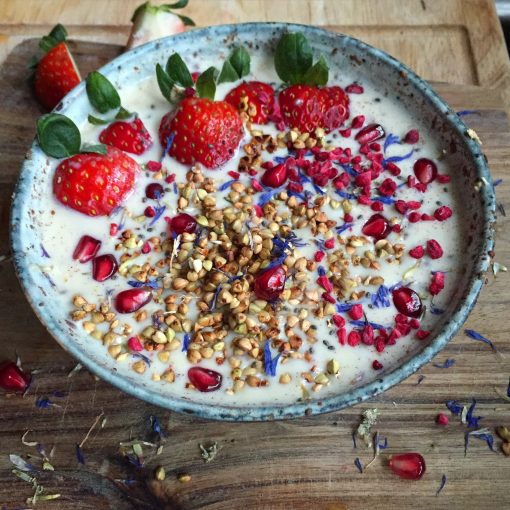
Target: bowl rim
pixel 298 409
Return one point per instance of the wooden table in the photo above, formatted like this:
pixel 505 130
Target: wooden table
pixel 296 464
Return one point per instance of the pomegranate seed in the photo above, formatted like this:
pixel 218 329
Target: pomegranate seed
pixel 153 166
pixel 369 134
pixel 414 323
pixel 377 365
pixel 170 178
pixel 135 344
pixel 274 177
pixel 183 223
pixel 356 312
pixel 204 379
pixel 257 210
pixel 325 283
pixel 392 168
pixel 377 206
pixel 443 179
pixel 414 217
pixel 154 191
pixel 234 175
pixel 342 336
pixel 442 419
pixel 86 249
pixel 149 211
pixel 417 253
pixel 338 321
pixel 270 283
pixel 425 170
pixel 387 187
pixel 442 213
pixel 437 283
pixel 354 88
pixel 328 297
pixel 345 132
pixel 412 136
pixel 319 255
pixel 434 249
pixel 12 378
pixel 407 302
pixel 114 228
pixel 396 228
pixel 146 247
pixel 131 300
pixel 358 121
pixel 348 218
pixel 330 243
pixel 377 226
pixel 104 267
pixel 410 466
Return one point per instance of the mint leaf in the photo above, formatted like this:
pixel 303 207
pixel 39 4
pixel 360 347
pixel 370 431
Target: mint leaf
pixel 228 73
pixel 101 93
pixel 318 74
pixel 293 57
pixel 96 121
pixel 123 114
pixel 206 83
pixel 240 60
pixel 98 148
pixel 165 83
pixel 178 71
pixel 58 135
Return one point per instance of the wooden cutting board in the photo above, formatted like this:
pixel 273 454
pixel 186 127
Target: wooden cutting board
pixel 296 464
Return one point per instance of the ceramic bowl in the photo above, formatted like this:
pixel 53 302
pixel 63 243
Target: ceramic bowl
pixel 393 78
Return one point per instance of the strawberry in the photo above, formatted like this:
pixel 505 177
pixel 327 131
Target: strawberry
pixel 307 108
pixel 95 184
pixel 255 98
pixel 56 73
pixel 129 136
pixel 203 130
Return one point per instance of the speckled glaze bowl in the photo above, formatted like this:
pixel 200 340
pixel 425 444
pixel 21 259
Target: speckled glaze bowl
pixel 363 61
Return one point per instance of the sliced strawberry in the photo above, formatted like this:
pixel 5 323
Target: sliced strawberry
pixel 55 76
pixel 95 184
pixel 306 108
pixel 255 98
pixel 203 130
pixel 129 136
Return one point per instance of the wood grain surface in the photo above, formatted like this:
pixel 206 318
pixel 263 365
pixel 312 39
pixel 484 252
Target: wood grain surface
pixel 296 464
pixel 457 41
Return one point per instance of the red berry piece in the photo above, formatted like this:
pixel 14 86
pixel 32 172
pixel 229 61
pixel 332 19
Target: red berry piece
pixel 274 177
pixel 131 300
pixel 412 136
pixel 421 334
pixel 354 88
pixel 12 378
pixel 356 312
pixel 104 267
pixel 354 338
pixel 410 466
pixel 407 302
pixel 154 191
pixel 86 249
pixel 442 213
pixel 377 365
pixel 425 170
pixel 270 283
pixel 377 226
pixel 149 212
pixel 204 379
pixel 434 249
pixel 387 187
pixel 135 344
pixel 437 283
pixel 442 419
pixel 417 253
pixel 183 223
pixel 370 133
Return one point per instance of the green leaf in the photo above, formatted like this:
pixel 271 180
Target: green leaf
pixel 96 121
pixel 59 33
pixel 101 93
pixel 178 71
pixel 293 57
pixel 240 60
pixel 228 73
pixel 139 10
pixel 318 74
pixel 58 135
pixel 98 148
pixel 206 83
pixel 177 5
pixel 46 43
pixel 165 83
pixel 188 22
pixel 123 114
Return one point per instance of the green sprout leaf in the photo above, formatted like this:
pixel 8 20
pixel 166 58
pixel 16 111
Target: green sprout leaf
pixel 58 135
pixel 165 83
pixel 188 22
pixel 98 148
pixel 178 71
pixel 57 35
pixel 123 114
pixel 101 93
pixel 206 83
pixel 96 121
pixel 293 57
pixel 236 66
pixel 318 74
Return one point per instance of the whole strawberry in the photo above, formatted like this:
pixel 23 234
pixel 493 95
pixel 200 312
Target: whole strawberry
pixel 203 131
pixel 306 103
pixel 95 184
pixel 56 73
pixel 129 136
pixel 255 98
